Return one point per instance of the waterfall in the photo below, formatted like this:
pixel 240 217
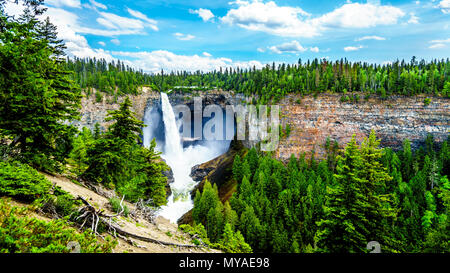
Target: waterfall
pixel 181 160
pixel 173 146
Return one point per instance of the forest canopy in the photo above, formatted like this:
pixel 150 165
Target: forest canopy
pixel 275 81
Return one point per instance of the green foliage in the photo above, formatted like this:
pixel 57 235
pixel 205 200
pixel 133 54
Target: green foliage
pixel 354 211
pixel 285 132
pixel 361 194
pixel 237 168
pixel 82 143
pixel 116 160
pixel 126 126
pixel 22 234
pixel 98 97
pixel 231 241
pixel 36 91
pixel 115 205
pixel 427 101
pixel 22 182
pixel 219 220
pixel 274 82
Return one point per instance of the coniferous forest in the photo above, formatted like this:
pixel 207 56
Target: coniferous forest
pixel 336 205
pixel 360 192
pixel 272 82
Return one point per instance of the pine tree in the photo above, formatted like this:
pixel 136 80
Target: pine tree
pixel 378 209
pixel 38 98
pixel 343 228
pixel 126 127
pixel 237 169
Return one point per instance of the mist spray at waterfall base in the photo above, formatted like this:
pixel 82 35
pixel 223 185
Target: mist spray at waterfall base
pixel 181 160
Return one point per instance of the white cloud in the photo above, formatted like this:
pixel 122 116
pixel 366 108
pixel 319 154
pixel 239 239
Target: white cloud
pixel 437 46
pixel 77 45
pixel 205 14
pixel 64 3
pixel 444 5
pixel 151 23
pixel 271 18
pixel 378 38
pixel 14 10
pixel 413 19
pixel 119 25
pixel 154 61
pixel 262 50
pixel 97 4
pixel 441 41
pixel 113 21
pixel 183 37
pixel 68 26
pixel 352 48
pixel 289 47
pixel 115 41
pixel 295 22
pixel 356 15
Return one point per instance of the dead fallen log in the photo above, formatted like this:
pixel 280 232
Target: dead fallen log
pixel 147 239
pixel 90 213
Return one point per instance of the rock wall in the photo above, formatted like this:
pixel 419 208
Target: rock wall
pixel 394 119
pixel 93 112
pixel 313 120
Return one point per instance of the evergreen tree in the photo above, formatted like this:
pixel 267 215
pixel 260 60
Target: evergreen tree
pixel 38 97
pixel 344 226
pixel 126 127
pixel 237 169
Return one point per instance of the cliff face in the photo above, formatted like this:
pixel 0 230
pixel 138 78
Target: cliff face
pixel 313 120
pixel 93 112
pixel 394 119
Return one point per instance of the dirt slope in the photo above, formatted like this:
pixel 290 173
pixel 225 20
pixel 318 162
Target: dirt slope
pixel 162 230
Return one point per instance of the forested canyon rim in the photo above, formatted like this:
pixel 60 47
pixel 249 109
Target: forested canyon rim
pixel 313 119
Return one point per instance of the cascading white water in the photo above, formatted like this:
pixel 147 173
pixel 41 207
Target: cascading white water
pixel 181 162
pixel 173 146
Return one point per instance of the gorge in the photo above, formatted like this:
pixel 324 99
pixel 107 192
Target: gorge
pixel 312 121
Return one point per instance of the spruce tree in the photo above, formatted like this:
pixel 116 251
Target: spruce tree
pixel 343 228
pixel 38 97
pixel 126 126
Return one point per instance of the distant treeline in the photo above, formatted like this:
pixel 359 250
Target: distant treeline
pixel 273 82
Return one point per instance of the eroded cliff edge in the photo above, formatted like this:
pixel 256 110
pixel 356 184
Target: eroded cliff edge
pixel 314 119
pixel 394 119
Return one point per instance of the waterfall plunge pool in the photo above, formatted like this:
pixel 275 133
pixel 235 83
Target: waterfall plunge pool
pixel 181 156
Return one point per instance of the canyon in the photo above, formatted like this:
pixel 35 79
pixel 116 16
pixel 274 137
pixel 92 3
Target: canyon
pixel 313 119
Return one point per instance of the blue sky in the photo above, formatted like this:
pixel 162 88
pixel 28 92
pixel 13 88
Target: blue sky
pixel 205 35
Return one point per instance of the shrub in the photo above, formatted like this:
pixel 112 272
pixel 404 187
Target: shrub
pixel 115 204
pixel 22 234
pixel 345 98
pixel 22 182
pixel 427 101
pixel 98 97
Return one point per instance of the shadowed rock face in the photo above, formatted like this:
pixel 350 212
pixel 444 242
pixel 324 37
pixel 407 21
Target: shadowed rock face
pixel 218 171
pixel 393 119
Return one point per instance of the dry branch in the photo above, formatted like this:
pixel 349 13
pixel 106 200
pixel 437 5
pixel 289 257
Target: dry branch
pixel 90 212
